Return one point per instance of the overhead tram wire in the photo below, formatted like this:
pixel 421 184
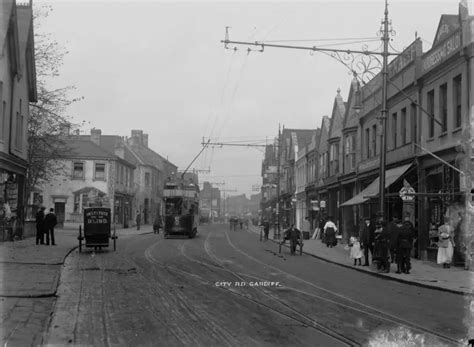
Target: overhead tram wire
pixel 315 40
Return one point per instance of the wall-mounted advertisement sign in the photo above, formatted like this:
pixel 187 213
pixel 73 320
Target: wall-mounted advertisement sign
pixel 441 53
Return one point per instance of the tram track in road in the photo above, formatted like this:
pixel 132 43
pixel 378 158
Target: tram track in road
pixel 302 321
pixel 353 305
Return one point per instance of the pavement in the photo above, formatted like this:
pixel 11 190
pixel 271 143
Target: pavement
pixel 28 270
pixel 426 274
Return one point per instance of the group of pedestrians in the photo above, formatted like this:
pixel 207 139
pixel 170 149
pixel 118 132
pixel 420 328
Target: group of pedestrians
pixel 388 244
pixel 45 224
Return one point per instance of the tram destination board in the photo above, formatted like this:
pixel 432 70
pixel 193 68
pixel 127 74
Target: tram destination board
pixel 97 226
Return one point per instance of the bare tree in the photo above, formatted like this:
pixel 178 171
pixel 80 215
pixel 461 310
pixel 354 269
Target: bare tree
pixel 49 122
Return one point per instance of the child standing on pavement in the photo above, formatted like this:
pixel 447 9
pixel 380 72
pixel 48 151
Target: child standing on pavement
pixel 355 250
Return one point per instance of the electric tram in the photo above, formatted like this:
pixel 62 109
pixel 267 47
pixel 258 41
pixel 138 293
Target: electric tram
pixel 180 209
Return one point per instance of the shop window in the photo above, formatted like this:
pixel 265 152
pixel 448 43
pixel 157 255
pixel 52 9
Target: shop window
pixel 457 100
pixel 99 171
pixel 78 170
pixel 443 106
pixel 430 109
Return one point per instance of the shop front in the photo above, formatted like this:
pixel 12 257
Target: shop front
pixel 12 185
pixel 440 199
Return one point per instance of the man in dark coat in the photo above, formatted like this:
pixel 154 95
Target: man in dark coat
pixel 404 244
pixel 266 229
pixel 394 229
pixel 40 226
pixel 50 222
pixel 367 239
pixel 293 235
pixel 381 246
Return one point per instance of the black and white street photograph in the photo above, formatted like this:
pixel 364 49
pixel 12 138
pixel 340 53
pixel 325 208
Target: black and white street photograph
pixel 236 173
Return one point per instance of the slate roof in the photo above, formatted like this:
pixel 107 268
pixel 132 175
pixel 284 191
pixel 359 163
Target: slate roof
pixel 351 117
pixel 303 135
pixel 109 142
pixel 82 147
pixel 323 137
pixel 149 157
pixel 338 111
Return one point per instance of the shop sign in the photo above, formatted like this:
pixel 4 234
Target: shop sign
pixel 441 53
pixel 405 58
pixel 405 193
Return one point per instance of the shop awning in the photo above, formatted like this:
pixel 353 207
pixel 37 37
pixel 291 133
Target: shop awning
pixel 372 189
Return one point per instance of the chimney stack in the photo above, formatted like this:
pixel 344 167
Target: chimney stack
pixel 95 136
pixel 137 137
pixel 145 140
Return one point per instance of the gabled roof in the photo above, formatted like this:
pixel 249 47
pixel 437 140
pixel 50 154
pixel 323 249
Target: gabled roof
pixel 323 137
pixel 338 111
pixel 448 23
pixel 149 157
pixel 351 117
pixel 303 136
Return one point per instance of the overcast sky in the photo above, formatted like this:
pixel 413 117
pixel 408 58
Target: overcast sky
pixel 160 66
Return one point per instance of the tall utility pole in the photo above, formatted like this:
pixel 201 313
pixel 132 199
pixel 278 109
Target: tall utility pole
pixel 342 56
pixel 383 113
pixel 278 224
